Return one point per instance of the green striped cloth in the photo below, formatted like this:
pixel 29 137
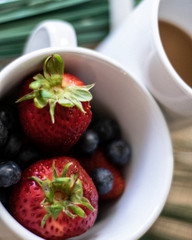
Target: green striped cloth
pixel 18 18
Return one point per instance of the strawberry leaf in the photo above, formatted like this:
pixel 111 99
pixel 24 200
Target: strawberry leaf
pixel 35 84
pixel 48 89
pixel 85 202
pixel 40 102
pixel 82 92
pixel 62 194
pixel 70 214
pixel 55 175
pixel 77 189
pixel 46 94
pixel 78 211
pixel 54 210
pixel 59 65
pixel 76 103
pixel 65 102
pixel 62 180
pixel 65 170
pixel 77 199
pixel 74 95
pixel 52 110
pixel 43 221
pixel 44 83
pixel 28 96
pixel 53 69
pixel 46 186
pixel 38 77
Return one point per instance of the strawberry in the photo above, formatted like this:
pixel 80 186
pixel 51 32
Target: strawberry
pixel 99 160
pixel 55 199
pixel 54 107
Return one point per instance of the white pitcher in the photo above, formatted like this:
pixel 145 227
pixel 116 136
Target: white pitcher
pixel 136 44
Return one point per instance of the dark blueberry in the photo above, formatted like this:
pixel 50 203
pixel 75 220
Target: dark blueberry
pixel 3 134
pixel 7 116
pixel 107 129
pixel 28 155
pixel 13 145
pixel 2 159
pixel 88 142
pixel 103 180
pixel 4 195
pixel 10 173
pixel 94 119
pixel 118 152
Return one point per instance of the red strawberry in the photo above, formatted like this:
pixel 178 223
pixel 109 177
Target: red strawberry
pixel 99 160
pixel 54 108
pixel 55 199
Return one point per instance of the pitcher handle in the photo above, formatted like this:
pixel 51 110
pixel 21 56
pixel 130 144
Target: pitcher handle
pixel 51 33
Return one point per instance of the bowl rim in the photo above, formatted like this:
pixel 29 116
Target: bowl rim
pixel 17 228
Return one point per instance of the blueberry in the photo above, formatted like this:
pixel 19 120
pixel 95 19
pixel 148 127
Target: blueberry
pixel 7 116
pixel 2 159
pixel 103 180
pixel 94 119
pixel 88 142
pixel 3 134
pixel 4 195
pixel 118 152
pixel 107 129
pixel 28 155
pixel 13 145
pixel 10 173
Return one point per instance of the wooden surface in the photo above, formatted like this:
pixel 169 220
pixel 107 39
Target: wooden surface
pixel 175 221
pixel 6 234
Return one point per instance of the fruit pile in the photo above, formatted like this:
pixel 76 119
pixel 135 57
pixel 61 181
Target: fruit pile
pixel 59 159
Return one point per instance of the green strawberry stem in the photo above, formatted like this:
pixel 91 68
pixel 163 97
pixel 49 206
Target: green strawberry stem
pixel 63 194
pixel 47 88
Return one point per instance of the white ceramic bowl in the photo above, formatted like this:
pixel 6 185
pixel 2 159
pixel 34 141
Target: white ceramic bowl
pixel 117 94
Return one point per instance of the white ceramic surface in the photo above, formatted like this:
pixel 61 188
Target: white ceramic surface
pixel 51 33
pixel 118 94
pixel 136 45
